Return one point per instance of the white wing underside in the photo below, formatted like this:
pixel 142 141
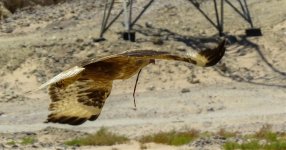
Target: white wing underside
pixel 63 75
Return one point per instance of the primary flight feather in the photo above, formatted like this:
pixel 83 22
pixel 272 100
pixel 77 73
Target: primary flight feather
pixel 78 94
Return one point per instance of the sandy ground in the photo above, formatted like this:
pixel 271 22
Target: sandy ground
pixel 245 91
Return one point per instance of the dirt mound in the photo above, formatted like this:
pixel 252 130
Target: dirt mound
pixel 13 5
pixel 7 7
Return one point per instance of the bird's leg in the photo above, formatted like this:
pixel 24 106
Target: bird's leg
pixel 135 87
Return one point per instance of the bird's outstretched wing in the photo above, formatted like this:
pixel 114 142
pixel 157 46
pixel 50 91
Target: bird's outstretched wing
pixel 78 94
pixel 78 102
pixel 204 58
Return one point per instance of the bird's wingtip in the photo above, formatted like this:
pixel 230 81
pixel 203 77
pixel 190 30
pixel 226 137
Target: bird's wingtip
pixel 214 55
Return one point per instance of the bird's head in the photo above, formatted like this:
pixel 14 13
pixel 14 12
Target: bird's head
pixel 152 61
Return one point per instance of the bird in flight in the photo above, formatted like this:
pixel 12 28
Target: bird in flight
pixel 78 94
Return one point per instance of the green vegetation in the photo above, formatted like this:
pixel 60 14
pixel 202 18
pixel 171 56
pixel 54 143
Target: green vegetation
pixel 252 145
pixel 266 133
pixel 273 141
pixel 100 138
pixel 171 138
pixel 255 145
pixel 226 134
pixel 28 140
pixel 11 143
pixel 264 139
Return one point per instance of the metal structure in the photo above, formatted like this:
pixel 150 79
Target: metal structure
pixel 243 11
pixel 128 34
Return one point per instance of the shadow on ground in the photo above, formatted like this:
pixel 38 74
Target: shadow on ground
pixel 199 43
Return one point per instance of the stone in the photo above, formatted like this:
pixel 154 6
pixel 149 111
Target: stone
pixel 185 90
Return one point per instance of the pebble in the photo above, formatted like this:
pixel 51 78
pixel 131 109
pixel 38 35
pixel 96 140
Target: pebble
pixel 8 30
pixel 151 88
pixel 36 145
pixel 157 41
pixel 185 90
pixel 181 48
pixel 211 109
pixel 79 40
pixel 29 133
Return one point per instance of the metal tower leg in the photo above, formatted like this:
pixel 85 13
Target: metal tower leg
pixel 245 14
pixel 219 15
pixel 128 35
pixel 106 15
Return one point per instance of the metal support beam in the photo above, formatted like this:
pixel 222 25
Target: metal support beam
pixel 219 24
pixel 248 13
pixel 127 10
pixel 142 12
pixel 106 16
pixel 219 15
pixel 126 15
pixel 203 13
pixel 245 14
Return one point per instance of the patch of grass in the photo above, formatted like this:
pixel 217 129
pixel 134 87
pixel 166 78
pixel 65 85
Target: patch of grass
pixel 143 146
pixel 75 142
pixel 28 140
pixel 266 133
pixel 276 145
pixel 171 138
pixel 11 143
pixel 254 145
pixel 100 138
pixel 273 141
pixel 226 134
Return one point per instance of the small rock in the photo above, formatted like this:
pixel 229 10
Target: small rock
pixel 249 77
pixel 90 55
pixel 60 148
pixel 177 22
pixel 30 133
pixel 223 67
pixel 262 142
pixel 185 90
pixel 211 109
pixel 41 144
pixel 25 24
pixel 2 73
pixel 151 88
pixel 78 40
pixel 36 145
pixel 8 30
pixel 157 41
pixel 193 81
pixel 181 48
pixel 148 24
pixel 239 141
pixel 95 40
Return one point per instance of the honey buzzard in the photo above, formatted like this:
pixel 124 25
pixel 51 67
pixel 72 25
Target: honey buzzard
pixel 78 94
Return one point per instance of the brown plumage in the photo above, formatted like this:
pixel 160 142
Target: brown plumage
pixel 78 94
